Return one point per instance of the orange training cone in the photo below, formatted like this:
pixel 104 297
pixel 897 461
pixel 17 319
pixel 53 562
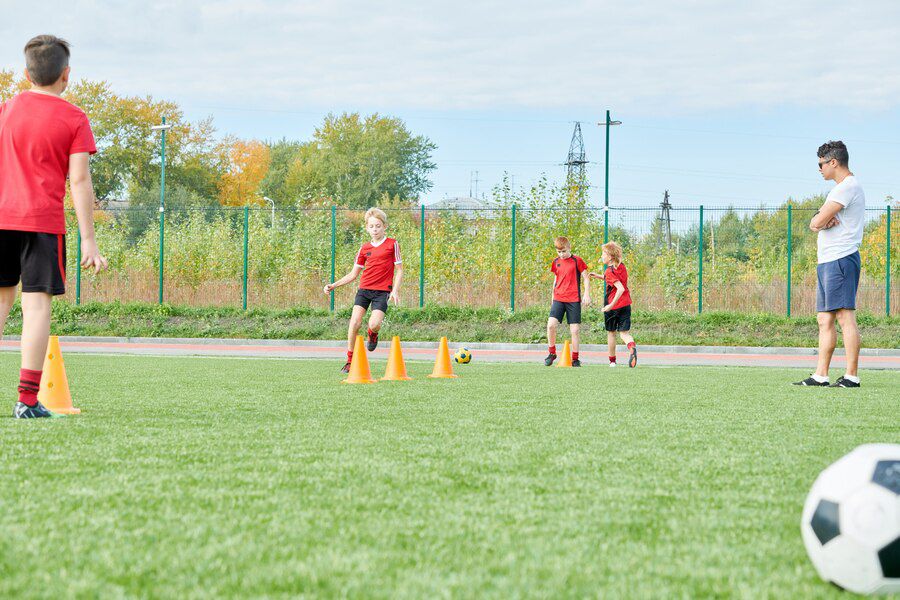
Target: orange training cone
pixel 566 360
pixel 442 366
pixel 396 368
pixel 54 391
pixel 359 366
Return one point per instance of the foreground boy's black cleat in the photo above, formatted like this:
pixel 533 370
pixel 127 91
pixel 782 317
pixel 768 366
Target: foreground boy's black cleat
pixel 809 381
pixel 844 382
pixel 373 341
pixel 632 358
pixel 38 411
pixel 346 367
pixel 576 362
pixel 549 360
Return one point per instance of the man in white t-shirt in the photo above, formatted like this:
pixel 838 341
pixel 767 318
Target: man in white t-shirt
pixel 839 224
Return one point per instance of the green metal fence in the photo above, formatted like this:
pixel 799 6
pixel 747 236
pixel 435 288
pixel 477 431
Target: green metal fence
pixel 689 259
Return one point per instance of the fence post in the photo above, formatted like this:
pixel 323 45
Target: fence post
pixel 700 270
pixel 246 253
pixel 422 257
pixel 512 265
pixel 887 265
pixel 333 235
pixel 78 269
pixel 605 224
pixel 790 252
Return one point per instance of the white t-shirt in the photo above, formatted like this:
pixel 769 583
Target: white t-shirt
pixel 844 238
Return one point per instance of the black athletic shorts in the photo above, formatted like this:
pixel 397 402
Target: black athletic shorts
pixel 378 299
pixel 572 310
pixel 618 319
pixel 37 259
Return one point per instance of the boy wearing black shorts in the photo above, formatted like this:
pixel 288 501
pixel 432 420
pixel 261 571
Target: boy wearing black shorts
pixel 379 261
pixel 569 271
pixel 43 140
pixel 617 311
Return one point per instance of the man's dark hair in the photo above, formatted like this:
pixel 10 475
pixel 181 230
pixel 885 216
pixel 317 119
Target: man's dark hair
pixel 46 57
pixel 836 150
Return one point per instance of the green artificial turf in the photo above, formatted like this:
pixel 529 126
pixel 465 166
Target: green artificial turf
pixel 219 478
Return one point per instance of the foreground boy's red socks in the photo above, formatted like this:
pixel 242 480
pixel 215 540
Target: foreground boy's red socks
pixel 29 384
pixel 574 356
pixel 553 349
pixel 630 345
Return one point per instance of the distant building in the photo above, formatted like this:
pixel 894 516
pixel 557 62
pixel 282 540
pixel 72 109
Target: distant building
pixel 465 206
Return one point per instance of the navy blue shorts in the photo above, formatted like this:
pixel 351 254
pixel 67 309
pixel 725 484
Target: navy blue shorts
pixel 838 282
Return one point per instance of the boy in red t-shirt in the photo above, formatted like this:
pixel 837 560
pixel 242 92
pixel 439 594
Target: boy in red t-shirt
pixel 569 271
pixel 382 269
pixel 43 139
pixel 617 311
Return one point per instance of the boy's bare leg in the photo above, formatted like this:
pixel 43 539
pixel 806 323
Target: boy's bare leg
pixel 35 329
pixel 376 320
pixel 7 299
pixel 850 331
pixel 356 319
pixel 626 337
pixel 575 330
pixel 552 324
pixel 611 343
pixel 827 342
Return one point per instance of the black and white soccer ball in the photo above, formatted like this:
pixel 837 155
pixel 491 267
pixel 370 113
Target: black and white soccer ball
pixel 851 521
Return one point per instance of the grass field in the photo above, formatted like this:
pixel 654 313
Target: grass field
pixel 215 477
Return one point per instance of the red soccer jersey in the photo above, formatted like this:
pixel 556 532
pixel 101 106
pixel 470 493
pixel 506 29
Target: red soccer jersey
pixel 567 285
pixel 38 133
pixel 613 275
pixel 378 264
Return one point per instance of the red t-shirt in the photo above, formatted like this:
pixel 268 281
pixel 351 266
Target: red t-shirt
pixel 378 264
pixel 38 133
pixel 613 275
pixel 567 285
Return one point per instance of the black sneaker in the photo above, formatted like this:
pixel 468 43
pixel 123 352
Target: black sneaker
pixel 373 341
pixel 809 381
pixel 38 411
pixel 549 360
pixel 632 358
pixel 576 362
pixel 844 382
pixel 346 368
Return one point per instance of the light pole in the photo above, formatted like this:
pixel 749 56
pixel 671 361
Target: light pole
pixel 608 124
pixel 162 128
pixel 272 202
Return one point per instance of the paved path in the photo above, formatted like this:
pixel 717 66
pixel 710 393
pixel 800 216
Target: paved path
pixel 590 354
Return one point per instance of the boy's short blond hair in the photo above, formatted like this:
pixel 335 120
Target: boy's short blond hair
pixel 377 213
pixel 614 250
pixel 562 242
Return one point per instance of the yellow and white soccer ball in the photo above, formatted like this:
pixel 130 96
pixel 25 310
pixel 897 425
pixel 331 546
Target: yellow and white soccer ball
pixel 462 356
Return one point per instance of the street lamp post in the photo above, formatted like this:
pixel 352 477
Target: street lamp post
pixel 162 128
pixel 272 202
pixel 608 124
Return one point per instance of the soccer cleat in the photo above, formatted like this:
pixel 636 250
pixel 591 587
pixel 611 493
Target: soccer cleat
pixel 632 358
pixel 549 360
pixel 844 382
pixel 612 365
pixel 576 362
pixel 346 367
pixel 809 381
pixel 38 411
pixel 373 341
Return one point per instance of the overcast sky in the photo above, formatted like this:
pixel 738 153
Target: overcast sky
pixel 725 100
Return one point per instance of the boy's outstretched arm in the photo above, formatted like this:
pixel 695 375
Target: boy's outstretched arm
pixel 83 200
pixel 353 274
pixel 395 289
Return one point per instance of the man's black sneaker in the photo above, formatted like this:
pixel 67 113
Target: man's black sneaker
pixel 549 360
pixel 844 382
pixel 373 341
pixel 38 411
pixel 632 358
pixel 346 368
pixel 809 381
pixel 576 362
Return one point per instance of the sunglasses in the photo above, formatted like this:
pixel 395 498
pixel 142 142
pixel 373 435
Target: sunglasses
pixel 825 162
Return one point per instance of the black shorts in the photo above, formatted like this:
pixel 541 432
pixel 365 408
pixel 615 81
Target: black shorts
pixel 378 299
pixel 37 259
pixel 572 311
pixel 618 319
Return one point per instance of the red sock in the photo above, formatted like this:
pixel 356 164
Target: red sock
pixel 371 333
pixel 553 349
pixel 29 384
pixel 612 359
pixel 574 356
pixel 349 355
pixel 630 345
